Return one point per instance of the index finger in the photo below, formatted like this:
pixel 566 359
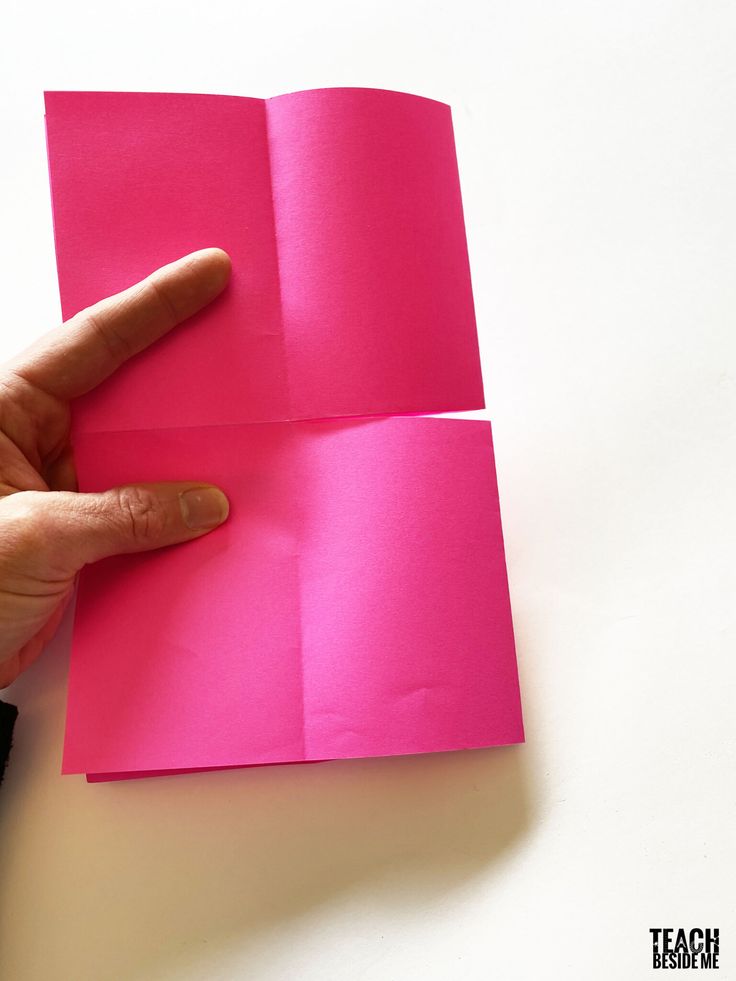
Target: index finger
pixel 92 345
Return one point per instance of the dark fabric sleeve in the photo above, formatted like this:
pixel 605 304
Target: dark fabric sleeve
pixel 8 715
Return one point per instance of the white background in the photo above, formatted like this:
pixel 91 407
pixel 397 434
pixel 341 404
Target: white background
pixel 597 149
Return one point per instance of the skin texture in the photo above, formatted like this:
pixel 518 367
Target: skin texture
pixel 49 531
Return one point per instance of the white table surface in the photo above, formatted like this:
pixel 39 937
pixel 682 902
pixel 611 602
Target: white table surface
pixel 597 147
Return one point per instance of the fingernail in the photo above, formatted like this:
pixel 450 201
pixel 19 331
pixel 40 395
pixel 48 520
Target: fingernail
pixel 203 507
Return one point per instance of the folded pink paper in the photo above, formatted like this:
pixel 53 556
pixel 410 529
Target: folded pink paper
pixel 354 604
pixel 341 210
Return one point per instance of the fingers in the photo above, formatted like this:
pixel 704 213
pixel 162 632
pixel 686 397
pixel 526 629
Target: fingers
pixel 70 361
pixel 70 530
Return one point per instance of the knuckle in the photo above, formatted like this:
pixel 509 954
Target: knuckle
pixel 142 515
pixel 113 340
pixel 162 299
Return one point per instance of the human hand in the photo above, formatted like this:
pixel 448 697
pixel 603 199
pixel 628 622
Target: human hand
pixel 48 531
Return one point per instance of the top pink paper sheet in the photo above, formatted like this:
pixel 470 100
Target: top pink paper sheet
pixel 341 210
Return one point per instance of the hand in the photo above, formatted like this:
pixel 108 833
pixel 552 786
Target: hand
pixel 48 531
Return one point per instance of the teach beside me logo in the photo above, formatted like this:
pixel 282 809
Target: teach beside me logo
pixel 677 948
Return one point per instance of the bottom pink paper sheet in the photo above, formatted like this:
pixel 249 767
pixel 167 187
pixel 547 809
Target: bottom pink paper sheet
pixel 354 604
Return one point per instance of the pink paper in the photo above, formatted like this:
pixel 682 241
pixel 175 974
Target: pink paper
pixel 354 604
pixel 341 210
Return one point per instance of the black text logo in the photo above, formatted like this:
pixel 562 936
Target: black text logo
pixel 680 948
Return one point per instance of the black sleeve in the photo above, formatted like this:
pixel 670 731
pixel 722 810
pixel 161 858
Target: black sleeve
pixel 8 715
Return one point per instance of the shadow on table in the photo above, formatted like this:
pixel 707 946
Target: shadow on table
pixel 149 875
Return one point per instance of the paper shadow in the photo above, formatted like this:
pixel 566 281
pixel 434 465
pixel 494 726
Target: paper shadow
pixel 146 876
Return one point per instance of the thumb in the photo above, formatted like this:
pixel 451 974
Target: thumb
pixel 76 529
